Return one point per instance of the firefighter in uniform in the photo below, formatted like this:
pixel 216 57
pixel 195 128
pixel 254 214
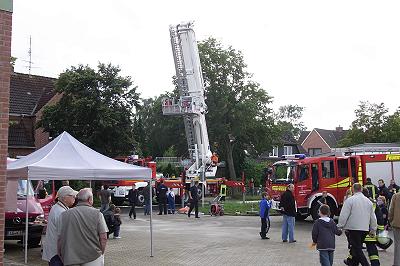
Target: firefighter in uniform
pixel 372 241
pixel 372 189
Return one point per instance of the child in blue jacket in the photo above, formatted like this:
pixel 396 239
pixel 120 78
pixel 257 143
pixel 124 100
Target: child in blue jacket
pixel 265 205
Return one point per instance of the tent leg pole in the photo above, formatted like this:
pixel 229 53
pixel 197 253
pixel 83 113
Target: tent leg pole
pixel 151 218
pixel 26 222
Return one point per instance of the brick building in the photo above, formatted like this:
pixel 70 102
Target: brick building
pixel 29 94
pixel 318 141
pixel 6 8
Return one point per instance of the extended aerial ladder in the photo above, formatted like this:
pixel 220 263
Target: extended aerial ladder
pixel 191 103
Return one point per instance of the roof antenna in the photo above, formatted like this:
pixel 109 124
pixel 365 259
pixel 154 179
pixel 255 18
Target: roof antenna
pixel 30 54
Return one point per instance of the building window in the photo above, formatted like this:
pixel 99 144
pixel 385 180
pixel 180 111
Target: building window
pixel 274 152
pixel 314 151
pixel 287 150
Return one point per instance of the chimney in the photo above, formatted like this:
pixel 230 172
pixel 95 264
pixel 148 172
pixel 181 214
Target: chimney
pixel 339 129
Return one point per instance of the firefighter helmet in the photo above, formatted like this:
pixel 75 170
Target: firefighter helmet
pixel 386 246
pixel 383 238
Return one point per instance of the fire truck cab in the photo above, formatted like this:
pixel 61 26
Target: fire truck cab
pixel 333 174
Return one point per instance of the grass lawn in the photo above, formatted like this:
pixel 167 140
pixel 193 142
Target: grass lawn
pixel 234 207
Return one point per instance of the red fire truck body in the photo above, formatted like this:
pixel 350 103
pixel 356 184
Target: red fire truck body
pixel 333 174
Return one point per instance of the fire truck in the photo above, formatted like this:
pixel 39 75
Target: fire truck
pixel 334 174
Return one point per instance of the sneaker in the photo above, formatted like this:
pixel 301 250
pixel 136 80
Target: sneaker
pixel 293 241
pixel 117 237
pixel 197 217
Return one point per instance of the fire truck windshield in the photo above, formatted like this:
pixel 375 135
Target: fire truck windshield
pixel 282 173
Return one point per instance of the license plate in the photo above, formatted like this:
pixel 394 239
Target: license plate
pixel 15 233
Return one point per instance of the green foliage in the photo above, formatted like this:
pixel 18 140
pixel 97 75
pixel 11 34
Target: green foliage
pixel 168 169
pixel 373 125
pixel 239 115
pixel 96 108
pixel 12 61
pixel 155 132
pixel 288 122
pixel 255 170
pixel 170 152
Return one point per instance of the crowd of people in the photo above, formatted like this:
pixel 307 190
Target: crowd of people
pixel 367 211
pixel 364 217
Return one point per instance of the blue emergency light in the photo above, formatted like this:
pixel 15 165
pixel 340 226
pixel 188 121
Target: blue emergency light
pixel 294 156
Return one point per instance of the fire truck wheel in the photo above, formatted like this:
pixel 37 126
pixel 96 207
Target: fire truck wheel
pixel 332 207
pixel 140 200
pixel 200 192
pixel 314 210
pixel 301 217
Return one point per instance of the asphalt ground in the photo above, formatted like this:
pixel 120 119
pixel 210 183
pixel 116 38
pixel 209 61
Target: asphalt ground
pixel 226 240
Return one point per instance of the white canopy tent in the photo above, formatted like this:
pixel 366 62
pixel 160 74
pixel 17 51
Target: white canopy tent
pixel 65 158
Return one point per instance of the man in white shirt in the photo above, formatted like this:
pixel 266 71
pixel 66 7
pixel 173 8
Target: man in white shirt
pixel 358 218
pixel 66 198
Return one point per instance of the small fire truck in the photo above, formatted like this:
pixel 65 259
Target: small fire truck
pixel 334 174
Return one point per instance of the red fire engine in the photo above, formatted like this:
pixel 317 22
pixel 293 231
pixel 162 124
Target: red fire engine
pixel 333 174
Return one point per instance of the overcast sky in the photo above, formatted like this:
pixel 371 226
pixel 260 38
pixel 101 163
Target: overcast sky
pixel 323 55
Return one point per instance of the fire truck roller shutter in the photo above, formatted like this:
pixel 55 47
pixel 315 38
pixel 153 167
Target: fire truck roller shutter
pixel 380 170
pixel 314 205
pixel 396 170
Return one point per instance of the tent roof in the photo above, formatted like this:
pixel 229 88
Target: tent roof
pixel 66 158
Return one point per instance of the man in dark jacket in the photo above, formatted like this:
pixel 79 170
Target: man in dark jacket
pixel 133 198
pixel 162 198
pixel 194 199
pixel 393 187
pixel 146 195
pixel 383 190
pixel 288 208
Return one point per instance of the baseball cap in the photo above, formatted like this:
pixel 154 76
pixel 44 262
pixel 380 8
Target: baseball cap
pixel 66 191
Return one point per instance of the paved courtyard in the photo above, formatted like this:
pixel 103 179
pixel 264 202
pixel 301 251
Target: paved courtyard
pixel 226 240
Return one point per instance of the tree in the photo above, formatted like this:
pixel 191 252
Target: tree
pixel 239 116
pixel 288 122
pixel 156 132
pixel 391 129
pixel 373 125
pixel 255 170
pixel 96 107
